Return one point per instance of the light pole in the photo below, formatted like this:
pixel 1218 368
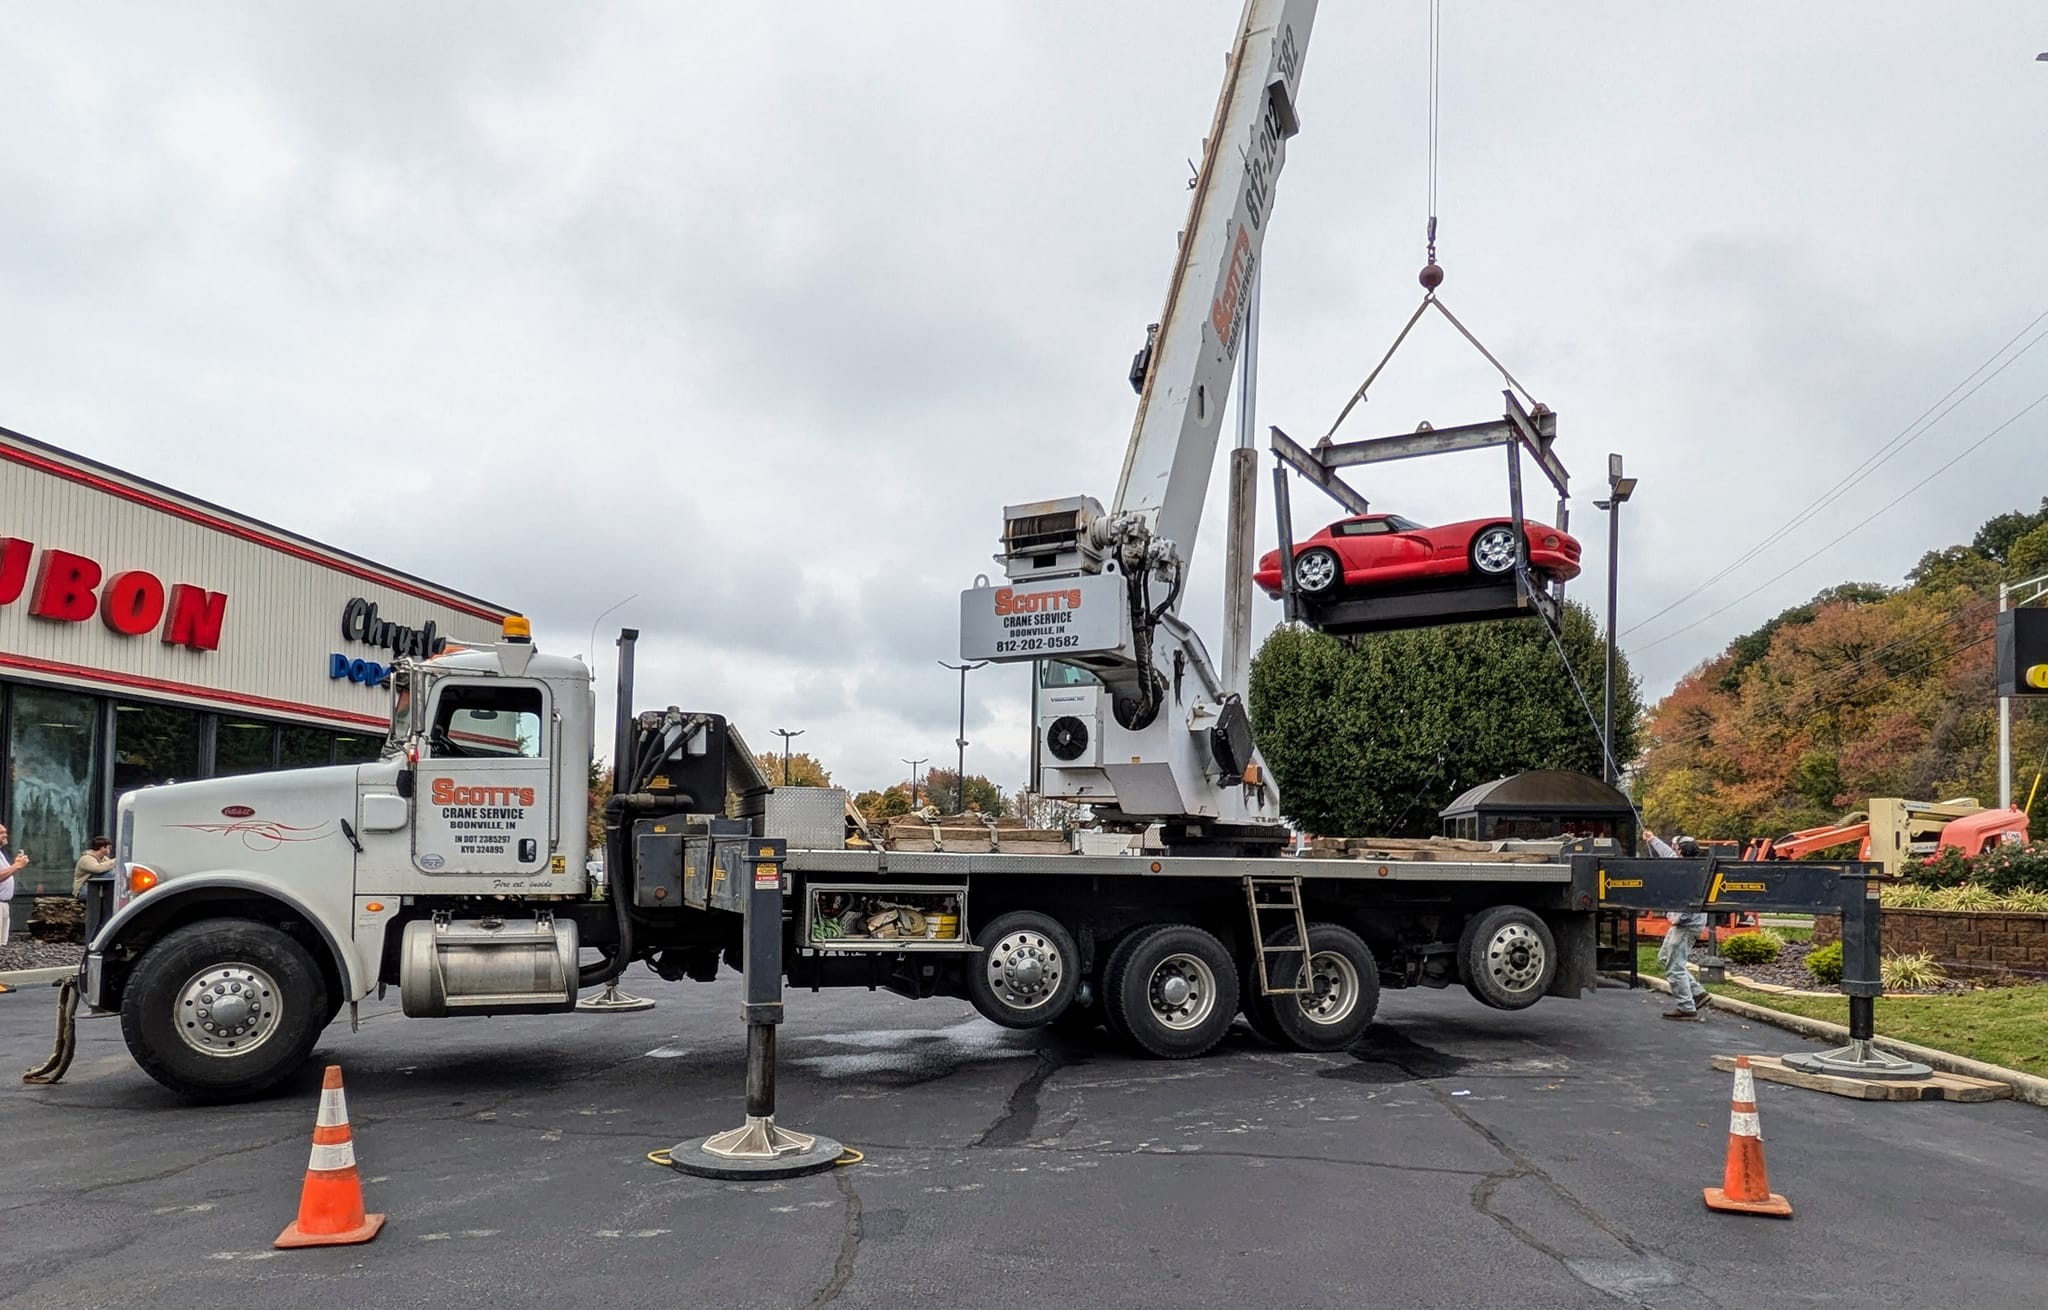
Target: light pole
pixel 1619 489
pixel 913 779
pixel 786 735
pixel 960 769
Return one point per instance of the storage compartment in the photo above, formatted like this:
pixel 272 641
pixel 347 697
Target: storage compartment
pixel 871 917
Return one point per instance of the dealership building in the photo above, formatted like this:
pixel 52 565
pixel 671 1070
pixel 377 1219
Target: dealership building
pixel 148 637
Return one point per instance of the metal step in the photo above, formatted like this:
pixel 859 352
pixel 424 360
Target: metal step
pixel 1266 898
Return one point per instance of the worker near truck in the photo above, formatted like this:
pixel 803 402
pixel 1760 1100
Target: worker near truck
pixel 1676 950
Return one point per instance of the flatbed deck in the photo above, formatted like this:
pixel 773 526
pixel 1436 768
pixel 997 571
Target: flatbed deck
pixel 960 864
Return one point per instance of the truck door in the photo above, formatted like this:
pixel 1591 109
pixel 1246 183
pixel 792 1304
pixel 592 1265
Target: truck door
pixel 483 793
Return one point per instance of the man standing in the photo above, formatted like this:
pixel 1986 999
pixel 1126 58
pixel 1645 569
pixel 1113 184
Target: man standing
pixel 1677 950
pixel 9 866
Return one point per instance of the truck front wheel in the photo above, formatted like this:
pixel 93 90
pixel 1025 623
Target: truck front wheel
pixel 223 1009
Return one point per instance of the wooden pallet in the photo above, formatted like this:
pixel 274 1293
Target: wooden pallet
pixel 1938 1086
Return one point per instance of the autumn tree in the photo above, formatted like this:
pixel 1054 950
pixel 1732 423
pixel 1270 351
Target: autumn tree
pixel 941 787
pixel 804 771
pixel 1375 735
pixel 599 789
pixel 1863 691
pixel 888 803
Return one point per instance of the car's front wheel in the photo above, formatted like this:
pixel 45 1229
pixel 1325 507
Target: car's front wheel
pixel 1493 550
pixel 1317 571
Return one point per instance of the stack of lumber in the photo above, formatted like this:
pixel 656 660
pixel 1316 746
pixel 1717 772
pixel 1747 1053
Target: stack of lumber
pixel 1453 850
pixel 974 834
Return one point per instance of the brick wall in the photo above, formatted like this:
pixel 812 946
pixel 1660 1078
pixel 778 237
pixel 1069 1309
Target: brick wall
pixel 1962 941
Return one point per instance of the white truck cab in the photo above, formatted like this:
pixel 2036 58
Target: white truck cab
pixel 248 910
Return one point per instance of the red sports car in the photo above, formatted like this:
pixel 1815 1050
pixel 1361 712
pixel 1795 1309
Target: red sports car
pixel 1373 550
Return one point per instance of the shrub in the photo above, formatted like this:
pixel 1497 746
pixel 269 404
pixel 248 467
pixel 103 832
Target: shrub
pixel 1907 896
pixel 2026 902
pixel 1825 964
pixel 2011 867
pixel 1916 972
pixel 1947 867
pixel 1751 948
pixel 1966 897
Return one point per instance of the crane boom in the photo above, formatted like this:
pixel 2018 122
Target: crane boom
pixel 1186 380
pixel 1133 718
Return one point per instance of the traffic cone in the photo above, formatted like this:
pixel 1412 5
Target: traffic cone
pixel 1745 1188
pixel 331 1203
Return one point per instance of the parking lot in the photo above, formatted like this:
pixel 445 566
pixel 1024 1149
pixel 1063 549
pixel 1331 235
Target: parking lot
pixel 1462 1157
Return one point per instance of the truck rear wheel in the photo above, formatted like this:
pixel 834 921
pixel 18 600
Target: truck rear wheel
pixel 1256 1006
pixel 1174 991
pixel 1345 990
pixel 1507 957
pixel 1111 1020
pixel 224 1009
pixel 1028 971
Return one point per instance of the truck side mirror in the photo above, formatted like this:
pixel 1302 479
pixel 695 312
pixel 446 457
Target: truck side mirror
pixel 405 782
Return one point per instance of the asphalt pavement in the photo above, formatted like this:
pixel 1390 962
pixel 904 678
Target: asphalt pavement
pixel 1460 1158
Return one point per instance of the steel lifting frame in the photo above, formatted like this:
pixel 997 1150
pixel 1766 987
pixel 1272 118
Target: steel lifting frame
pixel 1519 430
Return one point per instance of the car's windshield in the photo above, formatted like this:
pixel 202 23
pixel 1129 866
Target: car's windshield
pixel 1399 524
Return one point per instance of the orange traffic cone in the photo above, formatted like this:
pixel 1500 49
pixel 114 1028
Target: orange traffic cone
pixel 1745 1188
pixel 331 1203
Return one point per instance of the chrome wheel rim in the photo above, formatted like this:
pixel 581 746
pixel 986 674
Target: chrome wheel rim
pixel 1182 990
pixel 1315 571
pixel 1334 989
pixel 1025 969
pixel 228 1009
pixel 1514 957
pixel 1494 550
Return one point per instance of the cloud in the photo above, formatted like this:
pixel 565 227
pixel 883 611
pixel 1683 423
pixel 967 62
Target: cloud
pixel 764 314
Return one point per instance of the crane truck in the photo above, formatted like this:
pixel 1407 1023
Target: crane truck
pixel 246 912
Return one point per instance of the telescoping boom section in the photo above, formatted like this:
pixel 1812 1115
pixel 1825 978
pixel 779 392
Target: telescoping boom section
pixel 1137 722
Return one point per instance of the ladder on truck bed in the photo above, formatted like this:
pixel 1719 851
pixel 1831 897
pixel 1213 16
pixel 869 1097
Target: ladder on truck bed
pixel 1268 898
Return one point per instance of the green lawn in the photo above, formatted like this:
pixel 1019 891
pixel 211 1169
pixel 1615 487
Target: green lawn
pixel 2000 1025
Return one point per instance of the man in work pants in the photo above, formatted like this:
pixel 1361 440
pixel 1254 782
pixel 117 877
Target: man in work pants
pixel 1677 950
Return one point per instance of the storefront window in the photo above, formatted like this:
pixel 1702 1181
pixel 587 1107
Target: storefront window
pixel 243 747
pixel 154 743
pixel 50 784
pixel 303 748
pixel 356 747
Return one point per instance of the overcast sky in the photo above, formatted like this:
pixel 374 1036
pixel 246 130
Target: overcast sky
pixel 764 312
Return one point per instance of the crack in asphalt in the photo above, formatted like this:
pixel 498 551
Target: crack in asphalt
pixel 1623 1286
pixel 133 1179
pixel 1095 1152
pixel 1020 1112
pixel 849 1244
